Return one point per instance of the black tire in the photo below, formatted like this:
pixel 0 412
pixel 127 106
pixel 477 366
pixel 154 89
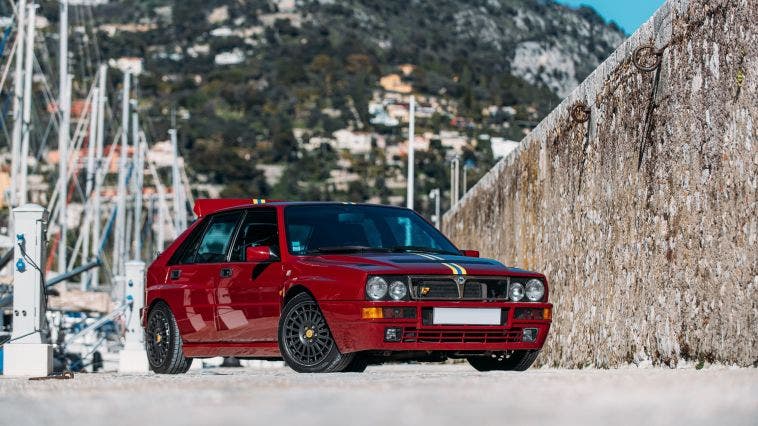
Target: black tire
pixel 164 343
pixel 517 361
pixel 357 365
pixel 97 362
pixel 305 341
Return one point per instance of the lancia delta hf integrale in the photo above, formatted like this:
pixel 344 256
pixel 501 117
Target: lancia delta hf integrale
pixel 334 287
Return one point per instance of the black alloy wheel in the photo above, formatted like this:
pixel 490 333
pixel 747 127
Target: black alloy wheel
pixel 305 341
pixel 163 342
pixel 513 361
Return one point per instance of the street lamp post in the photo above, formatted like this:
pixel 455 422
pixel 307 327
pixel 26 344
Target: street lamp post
pixel 435 195
pixel 411 152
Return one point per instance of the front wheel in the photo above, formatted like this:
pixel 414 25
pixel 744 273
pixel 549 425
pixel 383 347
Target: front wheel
pixel 516 361
pixel 164 343
pixel 305 341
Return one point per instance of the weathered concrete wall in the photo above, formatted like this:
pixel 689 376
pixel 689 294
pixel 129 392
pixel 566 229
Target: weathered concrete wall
pixel 653 259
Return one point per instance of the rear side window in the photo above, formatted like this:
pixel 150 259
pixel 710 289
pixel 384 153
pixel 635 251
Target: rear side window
pixel 215 242
pixel 186 252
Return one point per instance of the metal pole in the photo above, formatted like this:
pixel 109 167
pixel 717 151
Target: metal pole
pixel 64 107
pixel 91 148
pixel 92 142
pixel 452 183
pixel 454 180
pixel 102 75
pixel 435 195
pixel 99 153
pixel 31 12
pixel 18 87
pixel 437 208
pixel 137 239
pixel 180 210
pixel 161 219
pixel 162 205
pixel 120 229
pixel 457 179
pixel 465 170
pixel 411 152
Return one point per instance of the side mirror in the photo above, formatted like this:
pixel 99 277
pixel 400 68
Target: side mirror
pixel 470 253
pixel 259 254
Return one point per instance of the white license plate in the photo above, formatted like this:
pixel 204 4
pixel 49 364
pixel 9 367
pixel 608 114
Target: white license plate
pixel 466 316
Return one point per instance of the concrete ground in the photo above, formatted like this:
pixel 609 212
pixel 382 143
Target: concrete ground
pixel 409 394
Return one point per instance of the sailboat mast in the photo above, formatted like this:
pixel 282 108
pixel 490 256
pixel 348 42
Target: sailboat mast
pixel 18 87
pixel 64 107
pixel 120 230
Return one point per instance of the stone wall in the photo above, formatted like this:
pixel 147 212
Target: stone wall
pixel 644 218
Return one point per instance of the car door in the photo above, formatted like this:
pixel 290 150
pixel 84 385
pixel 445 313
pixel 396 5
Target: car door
pixel 191 292
pixel 197 272
pixel 248 293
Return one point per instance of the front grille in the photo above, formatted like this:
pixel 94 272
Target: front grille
pixel 437 289
pixel 461 335
pixel 447 288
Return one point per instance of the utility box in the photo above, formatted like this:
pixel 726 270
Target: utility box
pixel 133 358
pixel 29 353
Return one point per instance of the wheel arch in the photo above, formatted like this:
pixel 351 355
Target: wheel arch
pixel 155 302
pixel 294 291
pixel 149 307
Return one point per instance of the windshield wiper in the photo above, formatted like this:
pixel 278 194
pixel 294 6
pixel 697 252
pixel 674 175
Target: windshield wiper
pixel 421 249
pixel 347 249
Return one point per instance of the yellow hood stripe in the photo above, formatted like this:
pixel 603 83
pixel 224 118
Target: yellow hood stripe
pixel 456 268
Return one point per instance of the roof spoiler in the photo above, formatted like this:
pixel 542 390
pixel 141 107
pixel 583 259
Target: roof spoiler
pixel 206 206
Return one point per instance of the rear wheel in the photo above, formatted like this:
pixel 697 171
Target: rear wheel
pixel 305 341
pixel 164 343
pixel 516 361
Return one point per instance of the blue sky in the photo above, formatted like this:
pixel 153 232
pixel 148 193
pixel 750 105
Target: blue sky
pixel 628 14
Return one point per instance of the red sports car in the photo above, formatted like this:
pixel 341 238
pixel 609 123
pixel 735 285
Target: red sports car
pixel 334 287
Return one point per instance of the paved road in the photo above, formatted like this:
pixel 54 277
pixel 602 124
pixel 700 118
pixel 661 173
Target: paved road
pixel 392 395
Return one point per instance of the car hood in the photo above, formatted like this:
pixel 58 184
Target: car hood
pixel 417 264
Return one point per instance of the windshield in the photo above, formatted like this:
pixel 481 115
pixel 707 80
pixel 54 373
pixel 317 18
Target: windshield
pixel 344 228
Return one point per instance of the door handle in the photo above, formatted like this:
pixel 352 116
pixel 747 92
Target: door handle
pixel 225 272
pixel 175 274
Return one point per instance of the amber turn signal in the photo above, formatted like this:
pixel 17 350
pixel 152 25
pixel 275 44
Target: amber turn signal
pixel 372 313
pixel 547 314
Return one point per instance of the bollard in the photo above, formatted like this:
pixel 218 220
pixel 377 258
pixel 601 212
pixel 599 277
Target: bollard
pixel 29 353
pixel 133 358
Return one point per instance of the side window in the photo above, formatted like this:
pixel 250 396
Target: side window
pixel 215 243
pixel 259 228
pixel 186 252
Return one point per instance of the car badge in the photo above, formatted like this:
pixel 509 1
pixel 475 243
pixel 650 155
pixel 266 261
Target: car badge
pixel 425 291
pixel 460 280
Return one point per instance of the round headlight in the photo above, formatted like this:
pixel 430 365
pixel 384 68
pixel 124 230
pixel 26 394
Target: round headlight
pixel 516 292
pixel 398 290
pixel 534 290
pixel 376 288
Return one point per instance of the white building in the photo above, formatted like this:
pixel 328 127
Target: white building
pixel 132 64
pixel 234 57
pixel 501 147
pixel 315 142
pixel 452 140
pixel 161 154
pixel 355 142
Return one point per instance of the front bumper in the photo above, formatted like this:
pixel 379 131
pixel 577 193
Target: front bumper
pixel 353 333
